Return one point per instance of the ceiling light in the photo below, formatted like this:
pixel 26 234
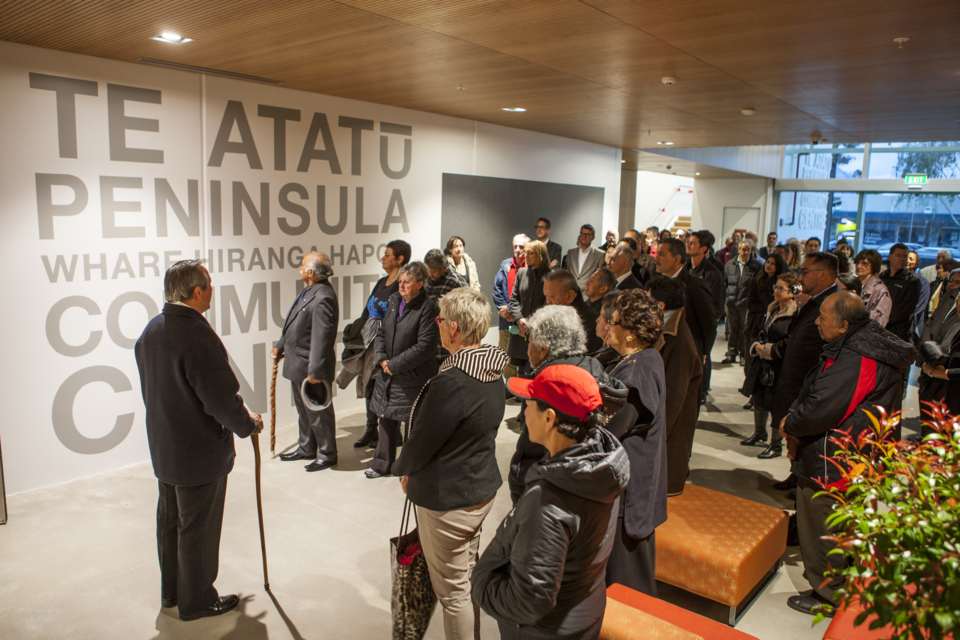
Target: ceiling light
pixel 749 111
pixel 666 143
pixel 514 109
pixel 622 161
pixel 900 42
pixel 171 38
pixel 697 173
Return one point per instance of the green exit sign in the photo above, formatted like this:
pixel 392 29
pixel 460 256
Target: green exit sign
pixel 915 179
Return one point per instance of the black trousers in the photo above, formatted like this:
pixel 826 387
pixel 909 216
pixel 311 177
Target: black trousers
pixel 633 562
pixel 737 321
pixel 811 527
pixel 386 453
pixel 318 429
pixel 705 380
pixel 189 520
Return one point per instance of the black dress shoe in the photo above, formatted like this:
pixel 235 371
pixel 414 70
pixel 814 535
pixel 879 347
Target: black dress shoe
pixel 749 407
pixel 220 607
pixel 754 439
pixel 811 603
pixel 793 537
pixel 320 465
pixel 773 451
pixel 786 485
pixel 368 439
pixel 729 360
pixel 295 455
pixel 168 603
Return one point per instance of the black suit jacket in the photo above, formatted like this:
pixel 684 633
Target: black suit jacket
pixel 700 315
pixel 190 393
pixel 588 316
pixel 309 335
pixel 628 283
pixel 554 252
pixel 801 354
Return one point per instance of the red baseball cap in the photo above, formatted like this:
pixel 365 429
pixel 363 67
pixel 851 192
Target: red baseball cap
pixel 564 387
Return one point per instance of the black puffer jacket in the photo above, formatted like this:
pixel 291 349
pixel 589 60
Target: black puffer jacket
pixel 543 574
pixel 860 370
pixel 739 280
pixel 528 452
pixel 409 342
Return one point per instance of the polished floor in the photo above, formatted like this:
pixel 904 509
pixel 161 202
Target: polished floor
pixel 78 560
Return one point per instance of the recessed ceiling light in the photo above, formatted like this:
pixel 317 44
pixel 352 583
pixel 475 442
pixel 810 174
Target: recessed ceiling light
pixel 514 109
pixel 698 173
pixel 171 38
pixel 622 161
pixel 665 143
pixel 749 111
pixel 900 41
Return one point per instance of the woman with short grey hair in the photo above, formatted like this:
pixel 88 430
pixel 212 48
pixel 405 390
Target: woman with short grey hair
pixel 448 463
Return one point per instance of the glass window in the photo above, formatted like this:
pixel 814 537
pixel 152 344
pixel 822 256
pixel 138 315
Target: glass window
pixel 820 161
pixel 828 215
pixel 938 160
pixel 925 222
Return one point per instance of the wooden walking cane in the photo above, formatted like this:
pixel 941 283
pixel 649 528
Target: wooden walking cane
pixel 255 439
pixel 273 407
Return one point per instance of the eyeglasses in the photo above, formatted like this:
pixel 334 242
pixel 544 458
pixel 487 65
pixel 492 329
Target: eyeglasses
pixel 589 235
pixel 542 226
pixel 804 272
pixel 781 288
pixel 438 320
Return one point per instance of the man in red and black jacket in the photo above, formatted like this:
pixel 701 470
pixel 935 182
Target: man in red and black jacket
pixel 860 368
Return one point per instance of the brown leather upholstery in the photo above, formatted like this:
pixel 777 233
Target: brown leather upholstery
pixel 717 545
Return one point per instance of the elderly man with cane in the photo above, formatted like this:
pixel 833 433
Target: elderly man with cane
pixel 193 411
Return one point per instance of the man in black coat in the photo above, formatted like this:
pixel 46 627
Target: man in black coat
pixel 554 250
pixel 307 346
pixel 904 288
pixel 560 287
pixel 621 263
pixel 739 272
pixel 818 275
pixel 698 246
pixel 700 316
pixel 193 410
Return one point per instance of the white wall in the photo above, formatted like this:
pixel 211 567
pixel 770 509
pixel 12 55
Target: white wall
pixel 712 195
pixel 656 191
pixel 70 389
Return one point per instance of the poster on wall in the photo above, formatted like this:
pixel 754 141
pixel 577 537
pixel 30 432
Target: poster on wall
pixel 115 171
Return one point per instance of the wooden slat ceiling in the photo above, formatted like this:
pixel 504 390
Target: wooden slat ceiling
pixel 589 70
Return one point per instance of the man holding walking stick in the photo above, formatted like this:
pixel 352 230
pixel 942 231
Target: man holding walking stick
pixel 193 411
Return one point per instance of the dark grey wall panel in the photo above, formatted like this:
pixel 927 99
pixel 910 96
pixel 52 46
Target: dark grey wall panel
pixel 488 212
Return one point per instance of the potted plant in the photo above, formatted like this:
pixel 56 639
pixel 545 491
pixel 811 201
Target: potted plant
pixel 897 522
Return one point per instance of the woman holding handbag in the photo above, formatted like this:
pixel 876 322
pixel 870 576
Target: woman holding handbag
pixel 448 463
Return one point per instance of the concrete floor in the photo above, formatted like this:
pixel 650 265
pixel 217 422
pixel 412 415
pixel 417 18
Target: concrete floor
pixel 78 560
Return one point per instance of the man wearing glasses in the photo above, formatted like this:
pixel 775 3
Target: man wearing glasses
pixel 818 275
pixel 584 259
pixel 554 251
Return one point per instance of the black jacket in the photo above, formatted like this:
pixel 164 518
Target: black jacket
pixel 190 393
pixel 543 574
pixel 410 344
pixel 310 334
pixel 526 298
pixel 715 281
pixel 554 252
pixel 776 336
pixel 629 282
pixel 800 354
pixel 860 370
pixel 700 315
pixel 904 288
pixel 450 454
pixel 588 316
pixel 739 280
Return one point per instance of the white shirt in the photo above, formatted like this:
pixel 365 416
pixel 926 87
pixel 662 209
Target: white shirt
pixel 582 257
pixel 623 277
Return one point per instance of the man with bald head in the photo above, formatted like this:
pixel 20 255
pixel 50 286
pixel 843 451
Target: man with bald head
pixel 859 369
pixel 306 344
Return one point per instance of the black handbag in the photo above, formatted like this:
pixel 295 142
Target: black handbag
pixel 412 599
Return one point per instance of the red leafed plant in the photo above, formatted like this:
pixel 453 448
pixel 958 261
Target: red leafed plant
pixel 898 525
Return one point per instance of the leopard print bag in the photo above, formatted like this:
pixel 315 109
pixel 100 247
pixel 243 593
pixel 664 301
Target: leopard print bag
pixel 412 599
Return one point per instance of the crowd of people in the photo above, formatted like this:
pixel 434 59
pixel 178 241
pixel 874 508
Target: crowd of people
pixel 607 349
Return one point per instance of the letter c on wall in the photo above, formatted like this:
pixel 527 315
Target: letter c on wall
pixel 64 425
pixel 55 338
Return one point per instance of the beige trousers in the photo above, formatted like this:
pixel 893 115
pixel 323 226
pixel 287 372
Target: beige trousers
pixel 510 370
pixel 451 541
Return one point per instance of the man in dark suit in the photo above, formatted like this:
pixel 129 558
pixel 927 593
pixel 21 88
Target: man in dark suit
pixel 699 314
pixel 307 341
pixel 554 251
pixel 698 245
pixel 818 275
pixel 767 251
pixel 560 288
pixel 583 259
pixel 193 410
pixel 620 265
pixel 598 286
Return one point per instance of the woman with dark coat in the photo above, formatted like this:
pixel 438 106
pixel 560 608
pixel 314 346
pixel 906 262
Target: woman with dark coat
pixel 542 576
pixel 633 331
pixel 758 301
pixel 526 298
pixel 406 352
pixel 767 347
pixel 449 461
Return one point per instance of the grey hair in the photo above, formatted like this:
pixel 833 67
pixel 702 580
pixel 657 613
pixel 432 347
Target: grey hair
pixel 625 249
pixel 566 280
pixel 606 279
pixel 182 278
pixel 525 237
pixel 470 309
pixel 559 329
pixel 320 265
pixel 608 302
pixel 417 270
pixel 435 259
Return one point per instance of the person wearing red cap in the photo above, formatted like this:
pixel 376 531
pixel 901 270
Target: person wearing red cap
pixel 633 330
pixel 542 576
